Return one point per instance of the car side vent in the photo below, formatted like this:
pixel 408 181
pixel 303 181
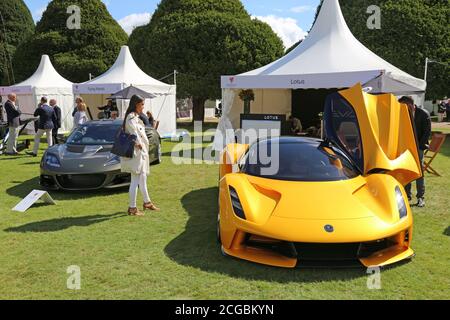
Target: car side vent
pixel 236 203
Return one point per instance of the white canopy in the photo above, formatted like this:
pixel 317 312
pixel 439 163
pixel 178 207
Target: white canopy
pixel 122 74
pixel 329 57
pixel 46 81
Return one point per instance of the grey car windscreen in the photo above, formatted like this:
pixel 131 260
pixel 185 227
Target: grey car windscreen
pixel 93 135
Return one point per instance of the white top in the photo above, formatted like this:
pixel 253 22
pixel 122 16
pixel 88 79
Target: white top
pixel 140 163
pixel 80 118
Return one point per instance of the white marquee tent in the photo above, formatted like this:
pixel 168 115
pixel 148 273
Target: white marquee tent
pixel 330 57
pixel 122 74
pixel 46 81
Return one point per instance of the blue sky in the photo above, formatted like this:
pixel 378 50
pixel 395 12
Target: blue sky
pixel 289 18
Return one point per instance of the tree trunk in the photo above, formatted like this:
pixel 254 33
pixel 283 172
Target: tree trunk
pixel 198 109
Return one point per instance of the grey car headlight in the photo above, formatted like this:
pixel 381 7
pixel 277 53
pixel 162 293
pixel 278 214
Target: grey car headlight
pixel 51 160
pixel 402 208
pixel 114 160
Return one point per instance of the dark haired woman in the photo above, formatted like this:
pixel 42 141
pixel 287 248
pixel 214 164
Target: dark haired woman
pixel 139 165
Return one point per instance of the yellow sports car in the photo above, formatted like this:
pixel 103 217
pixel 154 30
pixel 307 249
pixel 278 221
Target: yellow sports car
pixel 291 201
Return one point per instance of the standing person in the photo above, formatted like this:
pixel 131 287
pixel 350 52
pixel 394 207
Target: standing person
pixel 151 119
pixel 422 125
pixel 442 109
pixel 447 107
pixel 144 119
pixel 80 116
pixel 47 119
pixel 13 116
pixel 139 165
pixel 78 101
pixel 57 122
pixel 2 119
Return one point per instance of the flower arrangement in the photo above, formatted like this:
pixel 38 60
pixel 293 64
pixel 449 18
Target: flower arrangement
pixel 247 95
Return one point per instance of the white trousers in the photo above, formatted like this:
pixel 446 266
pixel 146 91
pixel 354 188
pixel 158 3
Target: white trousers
pixel 11 147
pixel 138 182
pixel 37 139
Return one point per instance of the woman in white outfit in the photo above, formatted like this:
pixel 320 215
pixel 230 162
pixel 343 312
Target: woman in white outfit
pixel 139 165
pixel 80 116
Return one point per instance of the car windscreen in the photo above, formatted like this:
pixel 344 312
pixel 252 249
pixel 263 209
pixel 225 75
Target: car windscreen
pixel 297 161
pixel 93 134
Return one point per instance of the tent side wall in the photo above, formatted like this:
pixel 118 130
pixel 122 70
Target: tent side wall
pixel 64 99
pixel 163 107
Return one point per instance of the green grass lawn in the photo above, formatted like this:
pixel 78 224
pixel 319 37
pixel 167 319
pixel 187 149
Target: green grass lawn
pixel 173 254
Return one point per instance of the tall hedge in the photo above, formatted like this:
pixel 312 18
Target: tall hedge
pixel 411 30
pixel 75 52
pixel 16 24
pixel 203 39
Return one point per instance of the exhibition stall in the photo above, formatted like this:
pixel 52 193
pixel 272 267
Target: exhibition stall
pixel 124 73
pixel 46 81
pixel 329 59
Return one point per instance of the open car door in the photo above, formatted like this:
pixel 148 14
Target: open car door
pixel 375 131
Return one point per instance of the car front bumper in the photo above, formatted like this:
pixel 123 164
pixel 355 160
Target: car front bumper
pixel 305 243
pixel 85 181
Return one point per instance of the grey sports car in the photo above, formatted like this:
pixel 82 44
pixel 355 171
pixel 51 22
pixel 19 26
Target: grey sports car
pixel 85 161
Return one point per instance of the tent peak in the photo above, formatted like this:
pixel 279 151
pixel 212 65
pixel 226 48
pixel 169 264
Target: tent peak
pixel 329 57
pixel 46 76
pixel 122 73
pixel 330 21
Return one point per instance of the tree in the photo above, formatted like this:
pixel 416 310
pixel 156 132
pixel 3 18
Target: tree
pixel 75 52
pixel 203 39
pixel 16 24
pixel 411 30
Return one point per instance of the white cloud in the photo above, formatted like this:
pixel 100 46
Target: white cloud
pixel 301 9
pixel 37 14
pixel 286 28
pixel 134 20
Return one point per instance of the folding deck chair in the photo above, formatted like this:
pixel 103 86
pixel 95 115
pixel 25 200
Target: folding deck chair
pixel 435 147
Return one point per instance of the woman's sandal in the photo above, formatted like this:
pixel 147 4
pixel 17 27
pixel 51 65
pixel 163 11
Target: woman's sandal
pixel 135 212
pixel 151 206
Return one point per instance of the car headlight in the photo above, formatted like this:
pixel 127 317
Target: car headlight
pixel 114 160
pixel 402 208
pixel 52 160
pixel 236 203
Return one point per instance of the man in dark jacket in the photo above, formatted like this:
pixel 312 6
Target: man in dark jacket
pixel 422 125
pixel 108 109
pixel 13 116
pixel 47 118
pixel 57 122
